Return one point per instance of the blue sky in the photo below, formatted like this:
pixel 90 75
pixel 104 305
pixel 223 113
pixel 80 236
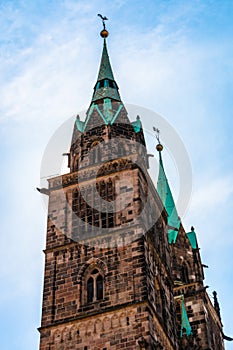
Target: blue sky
pixel 173 57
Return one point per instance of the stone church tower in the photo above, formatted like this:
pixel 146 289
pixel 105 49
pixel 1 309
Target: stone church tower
pixel 120 270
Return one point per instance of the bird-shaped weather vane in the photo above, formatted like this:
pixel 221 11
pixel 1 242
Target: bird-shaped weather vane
pixel 104 18
pixel 159 147
pixel 157 132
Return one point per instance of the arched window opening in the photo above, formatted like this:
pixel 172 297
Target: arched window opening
pixel 184 274
pixel 99 287
pixel 85 216
pixel 95 286
pixel 90 290
pixel 110 220
pixel 104 219
pixel 96 156
pixel 75 211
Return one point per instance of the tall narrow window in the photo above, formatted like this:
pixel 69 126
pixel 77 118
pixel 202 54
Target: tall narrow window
pixel 95 286
pixel 184 274
pixel 104 219
pixel 99 287
pixel 90 290
pixel 96 156
pixel 75 213
pixel 110 220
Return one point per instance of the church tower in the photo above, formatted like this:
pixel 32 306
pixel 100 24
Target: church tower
pixel 120 271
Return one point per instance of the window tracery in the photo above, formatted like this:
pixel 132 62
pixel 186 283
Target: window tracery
pixel 95 286
pixel 93 210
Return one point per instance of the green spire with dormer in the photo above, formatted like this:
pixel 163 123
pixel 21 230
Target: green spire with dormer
pixel 105 87
pixel 166 197
pixel 106 105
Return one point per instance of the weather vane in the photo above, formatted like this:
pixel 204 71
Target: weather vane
pixel 157 131
pixel 159 147
pixel 104 18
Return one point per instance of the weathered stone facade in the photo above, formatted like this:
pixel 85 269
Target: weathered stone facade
pixel 188 279
pixel 112 280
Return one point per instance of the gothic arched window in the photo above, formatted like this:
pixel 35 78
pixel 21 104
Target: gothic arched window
pixel 96 156
pixel 95 286
pixel 184 273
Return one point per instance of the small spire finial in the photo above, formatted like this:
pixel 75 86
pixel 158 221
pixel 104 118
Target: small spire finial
pixel 159 147
pixel 104 33
pixel 216 304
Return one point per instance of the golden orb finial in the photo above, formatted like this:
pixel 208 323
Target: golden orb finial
pixel 104 33
pixel 159 147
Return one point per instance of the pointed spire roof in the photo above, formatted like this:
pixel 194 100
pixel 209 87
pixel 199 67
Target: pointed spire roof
pixel 106 106
pixel 105 87
pixel 105 70
pixel 166 197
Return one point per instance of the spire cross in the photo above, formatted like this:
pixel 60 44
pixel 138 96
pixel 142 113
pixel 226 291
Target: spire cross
pixel 157 131
pixel 104 18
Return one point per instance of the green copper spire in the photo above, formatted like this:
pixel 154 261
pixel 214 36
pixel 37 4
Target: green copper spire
pixel 105 87
pixel 105 71
pixel 166 197
pixel 106 106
